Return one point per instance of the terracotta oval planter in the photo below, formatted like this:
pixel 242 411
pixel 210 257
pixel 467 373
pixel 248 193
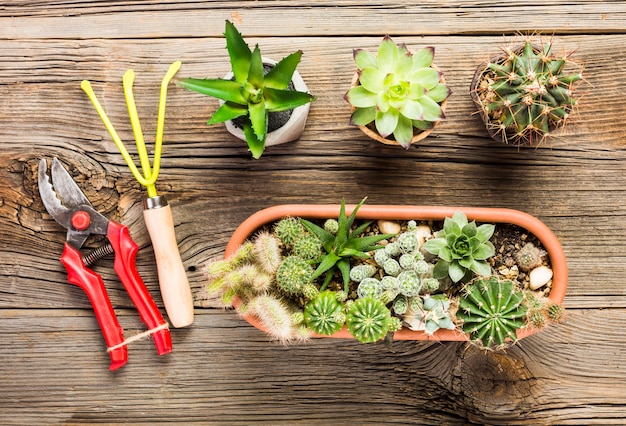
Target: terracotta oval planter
pixel 485 215
pixel 294 127
pixel 370 130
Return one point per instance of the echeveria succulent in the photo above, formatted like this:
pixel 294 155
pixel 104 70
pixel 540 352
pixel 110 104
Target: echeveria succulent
pixel 397 90
pixel 462 246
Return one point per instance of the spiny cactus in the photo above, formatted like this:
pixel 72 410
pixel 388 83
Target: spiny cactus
pixel 308 247
pixel 527 92
pixel 370 287
pixel 529 257
pixel 360 272
pixel 491 311
pixel 462 247
pixel 368 320
pixel 289 230
pixel 324 314
pixel 293 274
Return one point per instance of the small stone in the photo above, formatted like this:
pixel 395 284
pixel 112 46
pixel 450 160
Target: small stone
pixel 389 227
pixel 423 233
pixel 539 277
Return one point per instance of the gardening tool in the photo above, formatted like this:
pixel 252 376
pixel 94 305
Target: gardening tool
pixel 157 213
pixel 67 204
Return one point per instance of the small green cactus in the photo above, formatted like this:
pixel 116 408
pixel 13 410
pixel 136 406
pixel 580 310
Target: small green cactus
pixel 368 320
pixel 526 93
pixel 324 314
pixel 293 274
pixel 307 247
pixel 462 247
pixel 491 311
pixel 360 272
pixel 289 230
pixel 529 257
pixel 370 287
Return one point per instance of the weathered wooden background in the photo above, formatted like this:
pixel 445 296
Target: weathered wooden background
pixel 53 368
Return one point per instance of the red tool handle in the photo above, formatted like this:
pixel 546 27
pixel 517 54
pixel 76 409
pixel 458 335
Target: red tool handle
pixel 125 253
pixel 91 283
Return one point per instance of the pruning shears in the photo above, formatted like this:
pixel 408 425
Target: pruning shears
pixel 69 206
pixel 157 213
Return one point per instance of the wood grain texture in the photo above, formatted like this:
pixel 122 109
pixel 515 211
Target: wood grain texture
pixel 223 371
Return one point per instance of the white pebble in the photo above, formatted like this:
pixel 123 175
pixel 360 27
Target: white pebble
pixel 423 233
pixel 389 227
pixel 539 277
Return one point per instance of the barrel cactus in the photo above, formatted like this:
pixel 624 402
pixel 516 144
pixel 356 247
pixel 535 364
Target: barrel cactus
pixel 491 311
pixel 526 92
pixel 368 320
pixel 325 314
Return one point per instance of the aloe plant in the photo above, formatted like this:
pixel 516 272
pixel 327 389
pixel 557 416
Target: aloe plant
pixel 251 94
pixel 397 91
pixel 342 246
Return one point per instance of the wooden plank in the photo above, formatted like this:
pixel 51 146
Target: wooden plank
pixel 205 19
pixel 224 371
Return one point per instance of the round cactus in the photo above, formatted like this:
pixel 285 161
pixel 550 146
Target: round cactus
pixel 324 314
pixel 307 247
pixel 410 284
pixel 407 242
pixel 289 230
pixel 529 257
pixel 492 311
pixel 293 274
pixel 526 92
pixel 332 226
pixel 369 287
pixel 360 272
pixel 368 320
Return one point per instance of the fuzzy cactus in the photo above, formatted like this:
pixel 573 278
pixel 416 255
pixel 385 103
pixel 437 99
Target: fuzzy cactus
pixel 360 272
pixel 266 249
pixel 397 91
pixel 324 314
pixel 274 316
pixel 368 320
pixel 526 93
pixel 491 311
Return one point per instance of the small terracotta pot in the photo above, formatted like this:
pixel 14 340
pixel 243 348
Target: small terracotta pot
pixel 293 129
pixel 373 212
pixel 370 130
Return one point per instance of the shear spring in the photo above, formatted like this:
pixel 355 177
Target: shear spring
pixel 97 254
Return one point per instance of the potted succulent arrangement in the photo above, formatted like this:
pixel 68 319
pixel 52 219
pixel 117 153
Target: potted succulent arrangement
pixel 490 276
pixel 397 97
pixel 525 93
pixel 263 102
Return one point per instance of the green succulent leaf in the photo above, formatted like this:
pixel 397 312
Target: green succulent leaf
pixel 386 122
pixel 227 111
pixel 403 132
pixel 363 116
pixel 428 77
pixel 423 58
pixel 226 90
pixel 387 55
pixel 256 145
pixel 238 51
pixel 372 79
pixel 485 232
pixel 281 74
pixel 258 118
pixel 432 110
pixel 364 59
pixel 360 97
pixel 283 100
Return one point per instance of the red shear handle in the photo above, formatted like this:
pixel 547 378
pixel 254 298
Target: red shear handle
pixel 125 253
pixel 78 274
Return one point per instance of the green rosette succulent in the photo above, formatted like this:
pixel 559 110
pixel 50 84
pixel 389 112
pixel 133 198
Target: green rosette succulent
pixel 491 311
pixel 252 94
pixel 397 91
pixel 462 247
